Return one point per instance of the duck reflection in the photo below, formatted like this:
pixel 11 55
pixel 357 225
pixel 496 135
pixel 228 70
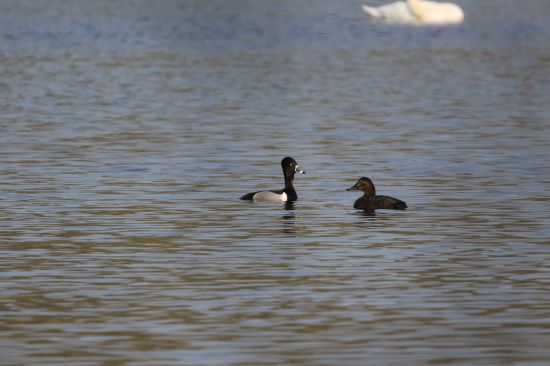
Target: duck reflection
pixel 366 213
pixel 365 219
pixel 289 219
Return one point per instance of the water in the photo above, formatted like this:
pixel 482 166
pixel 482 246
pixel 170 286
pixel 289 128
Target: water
pixel 129 129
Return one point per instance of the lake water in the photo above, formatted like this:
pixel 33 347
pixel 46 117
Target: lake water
pixel 129 129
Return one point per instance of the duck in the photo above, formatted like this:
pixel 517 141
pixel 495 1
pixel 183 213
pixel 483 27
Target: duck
pixel 417 12
pixel 370 201
pixel 288 193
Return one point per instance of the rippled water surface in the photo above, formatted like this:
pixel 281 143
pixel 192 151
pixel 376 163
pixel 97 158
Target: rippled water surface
pixel 129 129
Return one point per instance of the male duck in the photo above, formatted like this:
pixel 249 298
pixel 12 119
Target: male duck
pixel 370 201
pixel 287 194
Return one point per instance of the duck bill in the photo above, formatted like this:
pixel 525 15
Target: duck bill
pixel 299 170
pixel 353 188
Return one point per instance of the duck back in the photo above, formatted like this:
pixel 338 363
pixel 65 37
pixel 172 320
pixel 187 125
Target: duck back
pixel 389 203
pixel 379 202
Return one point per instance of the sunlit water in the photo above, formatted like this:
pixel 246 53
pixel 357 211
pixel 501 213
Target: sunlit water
pixel 129 129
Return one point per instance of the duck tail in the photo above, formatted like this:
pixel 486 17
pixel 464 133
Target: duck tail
pixel 400 205
pixel 373 12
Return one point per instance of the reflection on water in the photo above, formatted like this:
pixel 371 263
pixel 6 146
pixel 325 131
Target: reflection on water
pixel 128 131
pixel 289 219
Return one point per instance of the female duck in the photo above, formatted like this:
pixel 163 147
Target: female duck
pixel 287 194
pixel 370 201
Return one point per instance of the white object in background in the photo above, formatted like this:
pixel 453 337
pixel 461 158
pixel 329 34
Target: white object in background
pixel 417 12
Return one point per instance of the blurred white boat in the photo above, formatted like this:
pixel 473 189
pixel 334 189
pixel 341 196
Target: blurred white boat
pixel 417 12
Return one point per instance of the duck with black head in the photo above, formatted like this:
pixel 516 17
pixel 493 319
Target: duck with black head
pixel 370 201
pixel 288 193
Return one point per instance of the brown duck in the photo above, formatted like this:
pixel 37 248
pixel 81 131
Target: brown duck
pixel 370 201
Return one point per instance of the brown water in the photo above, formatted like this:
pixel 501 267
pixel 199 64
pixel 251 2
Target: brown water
pixel 129 129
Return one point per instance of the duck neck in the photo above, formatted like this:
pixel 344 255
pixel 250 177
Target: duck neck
pixel 289 188
pixel 416 8
pixel 370 192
